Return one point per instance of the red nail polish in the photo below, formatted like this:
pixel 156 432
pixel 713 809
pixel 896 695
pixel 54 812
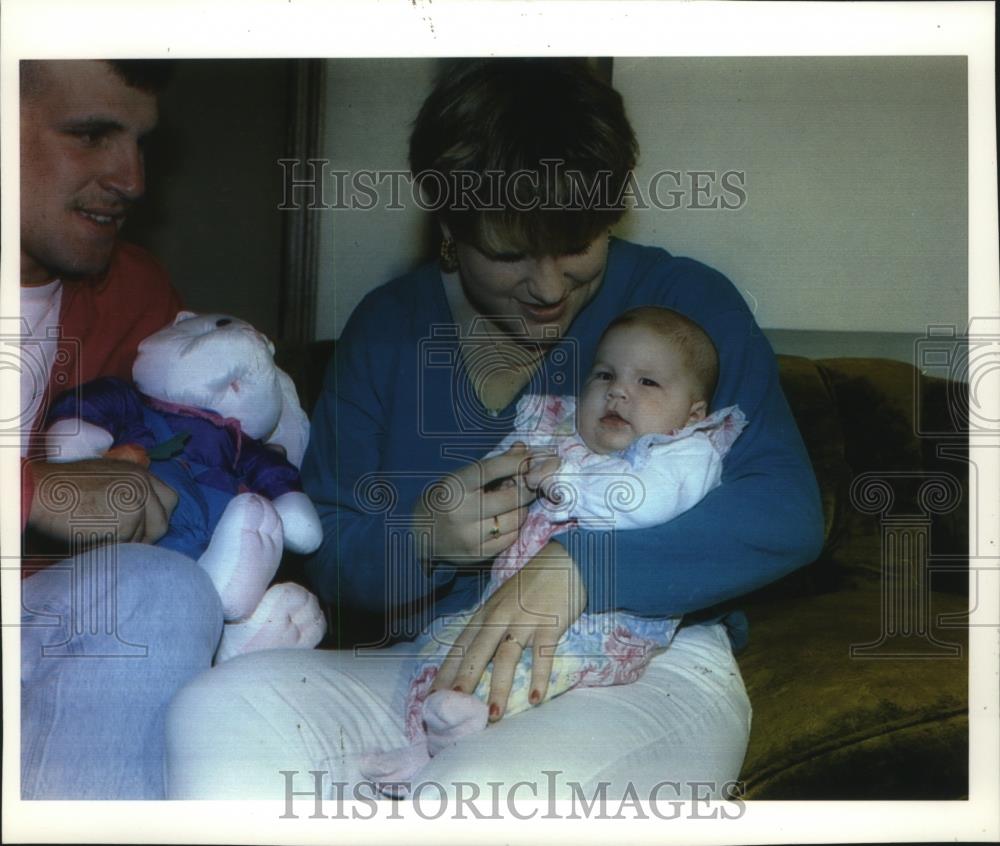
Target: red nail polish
pixel 494 710
pixel 535 696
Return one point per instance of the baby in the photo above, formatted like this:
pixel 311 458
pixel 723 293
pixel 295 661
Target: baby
pixel 637 449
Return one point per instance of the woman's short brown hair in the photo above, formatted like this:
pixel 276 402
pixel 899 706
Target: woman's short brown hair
pixel 532 155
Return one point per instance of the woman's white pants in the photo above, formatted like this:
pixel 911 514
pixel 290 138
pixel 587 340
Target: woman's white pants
pixel 264 724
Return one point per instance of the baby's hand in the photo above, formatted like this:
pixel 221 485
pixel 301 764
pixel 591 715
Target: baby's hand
pixel 500 484
pixel 541 470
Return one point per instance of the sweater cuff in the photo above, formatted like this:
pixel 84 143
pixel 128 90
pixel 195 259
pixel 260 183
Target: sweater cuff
pixel 440 573
pixel 414 549
pixel 411 587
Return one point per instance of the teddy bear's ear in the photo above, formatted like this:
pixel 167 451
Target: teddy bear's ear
pixel 183 315
pixel 292 430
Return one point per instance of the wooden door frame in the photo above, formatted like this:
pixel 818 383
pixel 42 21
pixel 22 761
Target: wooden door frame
pixel 300 252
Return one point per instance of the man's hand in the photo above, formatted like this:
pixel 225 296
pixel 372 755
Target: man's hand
pixel 119 494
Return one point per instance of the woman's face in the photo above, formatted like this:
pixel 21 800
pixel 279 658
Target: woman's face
pixel 546 293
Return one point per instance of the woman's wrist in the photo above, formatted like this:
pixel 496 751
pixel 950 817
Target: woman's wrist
pixel 555 556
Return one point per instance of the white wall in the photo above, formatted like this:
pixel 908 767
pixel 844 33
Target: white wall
pixel 370 104
pixel 855 180
pixel 212 178
pixel 855 168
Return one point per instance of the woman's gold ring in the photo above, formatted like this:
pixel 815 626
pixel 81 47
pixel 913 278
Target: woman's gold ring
pixel 495 531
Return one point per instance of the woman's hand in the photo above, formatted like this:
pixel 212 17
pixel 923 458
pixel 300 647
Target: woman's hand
pixel 541 474
pixel 531 610
pixel 475 517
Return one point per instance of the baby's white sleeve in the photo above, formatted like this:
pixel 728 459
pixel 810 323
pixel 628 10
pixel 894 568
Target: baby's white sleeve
pixel 603 488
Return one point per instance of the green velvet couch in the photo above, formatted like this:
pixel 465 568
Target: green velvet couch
pixel 857 664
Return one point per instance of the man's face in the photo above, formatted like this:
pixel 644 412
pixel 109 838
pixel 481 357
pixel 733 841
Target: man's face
pixel 82 130
pixel 638 385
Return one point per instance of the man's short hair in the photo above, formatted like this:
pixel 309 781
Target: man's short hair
pixel 149 75
pixel 693 343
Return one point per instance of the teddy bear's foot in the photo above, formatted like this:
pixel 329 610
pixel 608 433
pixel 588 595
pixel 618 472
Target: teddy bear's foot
pixel 288 617
pixel 244 553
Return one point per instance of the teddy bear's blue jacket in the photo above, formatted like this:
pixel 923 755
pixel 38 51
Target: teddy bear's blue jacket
pixel 206 459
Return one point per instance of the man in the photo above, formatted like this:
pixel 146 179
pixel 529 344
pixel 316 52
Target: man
pixel 108 636
pixel 83 125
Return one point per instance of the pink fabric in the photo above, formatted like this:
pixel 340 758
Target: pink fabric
pixel 600 649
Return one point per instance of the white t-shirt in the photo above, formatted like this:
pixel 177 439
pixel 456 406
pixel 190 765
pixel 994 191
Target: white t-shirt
pixel 39 342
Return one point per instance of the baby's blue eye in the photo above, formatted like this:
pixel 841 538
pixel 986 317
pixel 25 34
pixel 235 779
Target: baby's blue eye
pixel 602 375
pixel 649 383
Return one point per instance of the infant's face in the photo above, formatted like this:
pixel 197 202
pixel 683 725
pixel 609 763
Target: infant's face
pixel 638 385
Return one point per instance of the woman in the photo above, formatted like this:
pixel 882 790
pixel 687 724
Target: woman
pixel 525 161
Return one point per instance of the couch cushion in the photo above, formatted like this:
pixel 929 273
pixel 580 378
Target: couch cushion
pixel 829 725
pixel 897 440
pixel 816 414
pixel 877 401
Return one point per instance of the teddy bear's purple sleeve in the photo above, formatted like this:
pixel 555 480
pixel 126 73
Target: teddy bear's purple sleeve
pixel 266 471
pixel 109 403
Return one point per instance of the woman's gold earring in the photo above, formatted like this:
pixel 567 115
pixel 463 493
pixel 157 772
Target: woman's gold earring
pixel 448 255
